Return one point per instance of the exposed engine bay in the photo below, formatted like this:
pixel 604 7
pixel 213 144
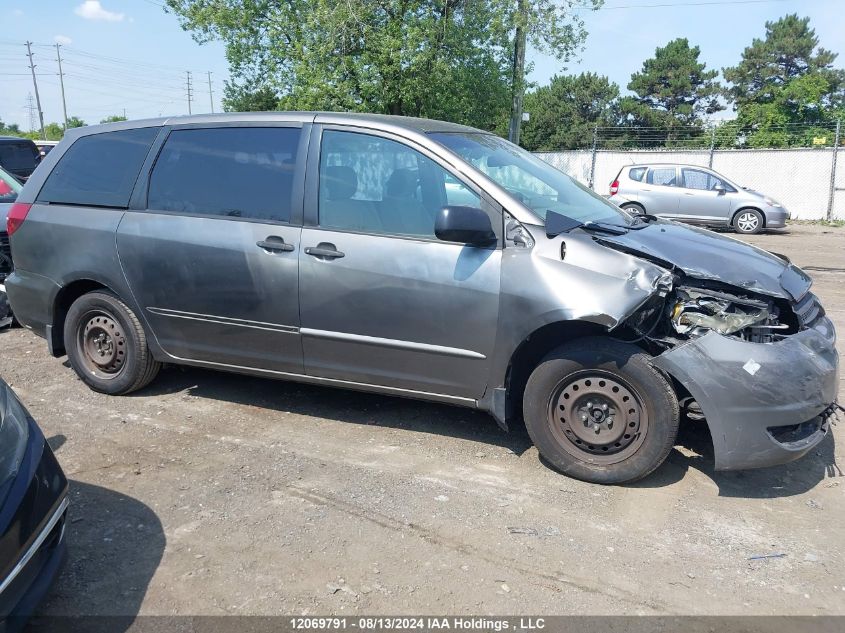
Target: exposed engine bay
pixel 692 308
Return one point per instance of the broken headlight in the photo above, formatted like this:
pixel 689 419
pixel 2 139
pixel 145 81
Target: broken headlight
pixel 697 311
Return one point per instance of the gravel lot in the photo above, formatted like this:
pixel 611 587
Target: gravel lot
pixel 210 494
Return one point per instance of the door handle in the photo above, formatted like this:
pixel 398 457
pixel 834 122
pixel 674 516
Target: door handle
pixel 324 250
pixel 276 244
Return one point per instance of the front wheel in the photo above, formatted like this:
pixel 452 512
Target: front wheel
pixel 107 346
pixel 749 221
pixel 598 410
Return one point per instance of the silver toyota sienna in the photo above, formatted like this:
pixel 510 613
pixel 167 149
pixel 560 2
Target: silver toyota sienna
pixel 422 259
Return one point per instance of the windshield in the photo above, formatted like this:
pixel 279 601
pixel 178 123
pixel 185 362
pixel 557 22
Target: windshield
pixel 535 183
pixel 9 187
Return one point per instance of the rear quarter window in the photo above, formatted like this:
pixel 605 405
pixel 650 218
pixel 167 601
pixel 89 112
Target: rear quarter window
pixel 99 170
pixel 637 173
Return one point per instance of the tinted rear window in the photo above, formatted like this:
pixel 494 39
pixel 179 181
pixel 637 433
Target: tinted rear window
pixel 237 172
pixel 99 170
pixel 18 156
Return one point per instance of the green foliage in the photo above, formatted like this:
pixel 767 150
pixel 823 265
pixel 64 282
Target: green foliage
pixel 240 98
pixel 75 121
pixel 114 118
pixel 446 59
pixel 785 89
pixel 565 113
pixel 673 92
pixel 54 131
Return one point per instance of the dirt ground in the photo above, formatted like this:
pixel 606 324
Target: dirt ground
pixel 210 494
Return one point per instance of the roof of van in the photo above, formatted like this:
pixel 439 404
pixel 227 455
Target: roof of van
pixel 15 138
pixel 347 118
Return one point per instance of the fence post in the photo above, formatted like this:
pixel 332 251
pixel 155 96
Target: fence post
pixel 832 192
pixel 593 161
pixel 712 147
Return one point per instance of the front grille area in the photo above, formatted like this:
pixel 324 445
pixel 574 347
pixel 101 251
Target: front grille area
pixel 807 310
pixel 5 256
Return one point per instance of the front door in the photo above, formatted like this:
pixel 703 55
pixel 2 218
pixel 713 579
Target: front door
pixel 382 301
pixel 703 198
pixel 213 261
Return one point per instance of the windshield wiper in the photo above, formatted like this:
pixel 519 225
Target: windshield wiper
pixel 557 224
pixel 607 227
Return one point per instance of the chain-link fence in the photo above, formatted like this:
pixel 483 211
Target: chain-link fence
pixel 807 176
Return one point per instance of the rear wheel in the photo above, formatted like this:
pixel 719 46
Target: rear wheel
pixel 107 346
pixel 748 221
pixel 634 208
pixel 599 411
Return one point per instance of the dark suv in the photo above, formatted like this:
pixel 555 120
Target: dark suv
pixel 421 259
pixel 19 156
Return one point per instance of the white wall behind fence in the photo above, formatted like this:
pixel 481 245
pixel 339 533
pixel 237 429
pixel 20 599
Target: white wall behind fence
pixel 798 178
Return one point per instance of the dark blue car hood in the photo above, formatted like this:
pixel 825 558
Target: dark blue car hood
pixel 707 255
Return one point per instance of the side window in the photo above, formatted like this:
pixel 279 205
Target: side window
pixel 237 172
pixel 695 179
pixel 662 176
pixel 637 173
pixel 100 169
pixel 457 193
pixel 376 185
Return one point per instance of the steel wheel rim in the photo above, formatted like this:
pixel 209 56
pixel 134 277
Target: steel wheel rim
pixel 101 342
pixel 597 417
pixel 747 222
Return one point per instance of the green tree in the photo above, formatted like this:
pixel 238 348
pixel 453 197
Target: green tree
pixel 75 121
pixel 54 131
pixel 246 98
pixel 448 59
pixel 114 118
pixel 9 129
pixel 674 90
pixel 565 113
pixel 785 88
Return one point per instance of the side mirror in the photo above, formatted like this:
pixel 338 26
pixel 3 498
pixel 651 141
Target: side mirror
pixel 720 189
pixel 467 225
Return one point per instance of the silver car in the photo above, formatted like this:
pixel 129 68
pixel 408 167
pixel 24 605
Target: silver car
pixel 419 259
pixel 697 195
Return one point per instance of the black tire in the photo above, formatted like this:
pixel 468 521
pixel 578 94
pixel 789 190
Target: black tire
pixel 748 221
pixel 633 207
pixel 640 421
pixel 107 346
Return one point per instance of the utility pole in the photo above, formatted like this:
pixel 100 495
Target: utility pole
pixel 35 85
pixel 189 89
pixel 210 94
pixel 518 81
pixel 61 82
pixel 832 193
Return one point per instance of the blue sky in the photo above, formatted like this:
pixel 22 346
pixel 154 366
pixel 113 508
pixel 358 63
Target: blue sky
pixel 131 54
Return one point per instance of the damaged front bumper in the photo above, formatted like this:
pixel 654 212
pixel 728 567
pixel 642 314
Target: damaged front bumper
pixel 765 404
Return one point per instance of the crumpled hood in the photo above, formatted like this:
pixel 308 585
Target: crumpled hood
pixel 707 255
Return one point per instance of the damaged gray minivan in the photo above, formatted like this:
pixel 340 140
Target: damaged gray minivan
pixel 421 259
